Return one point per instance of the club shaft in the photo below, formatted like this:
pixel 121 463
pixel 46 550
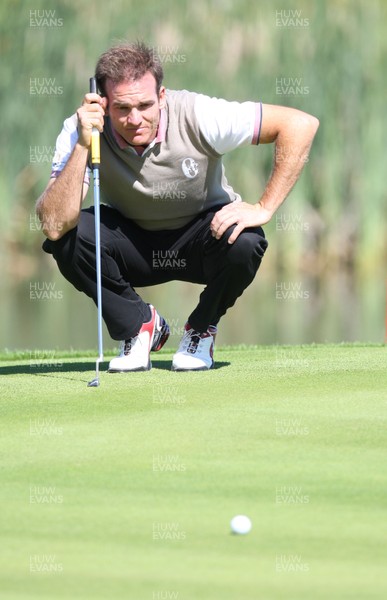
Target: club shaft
pixel 98 262
pixel 95 161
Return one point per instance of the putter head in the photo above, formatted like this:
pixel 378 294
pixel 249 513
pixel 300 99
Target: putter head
pixel 94 382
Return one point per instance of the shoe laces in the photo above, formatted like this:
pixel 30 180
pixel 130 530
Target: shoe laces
pixel 126 346
pixel 193 339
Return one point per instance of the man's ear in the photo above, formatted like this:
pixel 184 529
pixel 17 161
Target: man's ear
pixel 105 104
pixel 162 98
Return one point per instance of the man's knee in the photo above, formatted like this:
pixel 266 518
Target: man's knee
pixel 66 248
pixel 248 248
pixel 74 253
pixel 63 248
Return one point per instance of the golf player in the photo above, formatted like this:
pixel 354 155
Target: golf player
pixel 169 212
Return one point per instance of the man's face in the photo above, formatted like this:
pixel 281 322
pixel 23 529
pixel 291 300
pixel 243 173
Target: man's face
pixel 134 109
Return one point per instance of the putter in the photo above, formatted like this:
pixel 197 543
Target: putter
pixel 95 162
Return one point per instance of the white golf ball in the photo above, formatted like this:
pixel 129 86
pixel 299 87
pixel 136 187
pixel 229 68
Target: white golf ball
pixel 240 524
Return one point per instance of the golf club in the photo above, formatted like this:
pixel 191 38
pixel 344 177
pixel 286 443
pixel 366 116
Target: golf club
pixel 95 162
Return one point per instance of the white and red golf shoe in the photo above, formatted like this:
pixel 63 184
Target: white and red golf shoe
pixel 135 352
pixel 196 350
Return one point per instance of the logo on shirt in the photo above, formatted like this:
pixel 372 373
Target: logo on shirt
pixel 190 167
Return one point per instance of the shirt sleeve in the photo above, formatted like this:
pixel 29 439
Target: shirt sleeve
pixel 65 143
pixel 228 125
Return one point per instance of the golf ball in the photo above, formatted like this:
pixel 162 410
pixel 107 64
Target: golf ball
pixel 240 524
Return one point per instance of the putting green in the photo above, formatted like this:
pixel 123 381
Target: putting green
pixel 126 491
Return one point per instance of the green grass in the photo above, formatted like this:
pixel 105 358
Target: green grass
pixel 96 481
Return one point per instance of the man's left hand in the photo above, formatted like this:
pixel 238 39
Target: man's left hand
pixel 242 215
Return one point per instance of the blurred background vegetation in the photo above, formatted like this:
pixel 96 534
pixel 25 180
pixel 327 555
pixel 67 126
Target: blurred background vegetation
pixel 324 276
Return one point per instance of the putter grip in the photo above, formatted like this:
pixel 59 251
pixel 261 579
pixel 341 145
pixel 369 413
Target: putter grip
pixel 95 146
pixel 93 85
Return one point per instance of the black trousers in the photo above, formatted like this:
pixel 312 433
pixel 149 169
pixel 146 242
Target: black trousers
pixel 132 256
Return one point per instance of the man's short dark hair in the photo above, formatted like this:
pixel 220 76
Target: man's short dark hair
pixel 128 62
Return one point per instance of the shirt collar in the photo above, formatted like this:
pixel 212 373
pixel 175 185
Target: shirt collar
pixel 160 136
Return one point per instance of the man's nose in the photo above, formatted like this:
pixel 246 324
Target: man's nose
pixel 134 117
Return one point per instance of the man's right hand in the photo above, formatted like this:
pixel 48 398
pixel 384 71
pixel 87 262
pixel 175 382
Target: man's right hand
pixel 90 115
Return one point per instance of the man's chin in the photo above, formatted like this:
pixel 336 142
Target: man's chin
pixel 138 139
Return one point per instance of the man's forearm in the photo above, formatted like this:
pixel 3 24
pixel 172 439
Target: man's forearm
pixel 292 131
pixel 291 153
pixel 58 208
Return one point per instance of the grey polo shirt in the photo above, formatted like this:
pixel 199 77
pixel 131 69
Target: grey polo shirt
pixel 180 174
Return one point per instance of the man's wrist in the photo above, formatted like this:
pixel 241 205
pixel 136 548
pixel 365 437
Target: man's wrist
pixel 80 147
pixel 261 206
